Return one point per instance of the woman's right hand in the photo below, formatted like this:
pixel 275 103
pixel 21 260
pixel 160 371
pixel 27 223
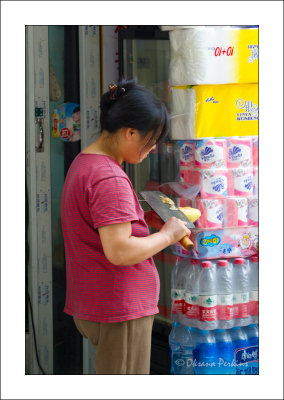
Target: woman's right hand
pixel 175 229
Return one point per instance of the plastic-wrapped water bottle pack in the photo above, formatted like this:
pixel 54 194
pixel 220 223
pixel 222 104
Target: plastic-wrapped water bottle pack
pixel 217 352
pixel 218 294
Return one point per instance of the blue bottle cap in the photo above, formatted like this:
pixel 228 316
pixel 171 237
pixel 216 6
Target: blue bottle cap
pixel 219 330
pixel 203 332
pixel 252 325
pixel 236 327
pixel 188 329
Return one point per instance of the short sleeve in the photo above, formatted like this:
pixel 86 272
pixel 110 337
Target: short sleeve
pixel 111 201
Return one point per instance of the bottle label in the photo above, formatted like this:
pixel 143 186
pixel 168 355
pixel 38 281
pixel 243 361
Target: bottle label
pixel 191 308
pixel 225 307
pixel 246 360
pixel 207 308
pixel 241 305
pixel 253 305
pixel 177 296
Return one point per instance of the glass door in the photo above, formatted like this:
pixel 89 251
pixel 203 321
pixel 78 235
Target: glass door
pixel 64 88
pixel 144 55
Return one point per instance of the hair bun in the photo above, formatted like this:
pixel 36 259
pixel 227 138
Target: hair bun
pixel 116 91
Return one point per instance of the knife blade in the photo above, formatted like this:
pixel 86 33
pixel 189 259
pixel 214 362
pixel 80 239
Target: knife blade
pixel 165 208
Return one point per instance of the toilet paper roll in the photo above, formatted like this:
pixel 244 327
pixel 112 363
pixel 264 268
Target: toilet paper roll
pixel 240 182
pixel 191 176
pixel 218 111
pixel 255 151
pixel 236 212
pixel 183 106
pixel 255 181
pixel 212 213
pixel 210 153
pixel 253 211
pixel 214 183
pixel 184 152
pixel 239 153
pixel 204 55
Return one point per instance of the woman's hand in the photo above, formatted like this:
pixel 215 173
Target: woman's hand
pixel 175 229
pixel 121 248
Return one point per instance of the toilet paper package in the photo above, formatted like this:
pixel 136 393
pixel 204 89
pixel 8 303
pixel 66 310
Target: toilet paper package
pixel 212 213
pixel 239 152
pixel 221 243
pixel 218 111
pixel 203 55
pixel 231 212
pixel 184 153
pixel 253 210
pixel 210 153
pixel 191 176
pixel 240 182
pixel 214 183
pixel 255 181
pixel 236 212
pixel 255 151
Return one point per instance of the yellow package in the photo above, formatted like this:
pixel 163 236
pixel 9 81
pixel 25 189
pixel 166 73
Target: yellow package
pixel 208 111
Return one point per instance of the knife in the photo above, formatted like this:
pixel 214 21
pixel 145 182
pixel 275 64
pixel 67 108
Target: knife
pixel 165 208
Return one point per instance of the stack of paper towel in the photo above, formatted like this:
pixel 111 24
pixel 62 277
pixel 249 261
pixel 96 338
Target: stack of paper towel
pixel 213 75
pixel 205 111
pixel 213 55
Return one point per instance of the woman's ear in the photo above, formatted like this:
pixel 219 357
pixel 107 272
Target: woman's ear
pixel 129 132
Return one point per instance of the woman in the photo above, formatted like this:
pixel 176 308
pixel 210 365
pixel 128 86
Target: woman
pixel 112 281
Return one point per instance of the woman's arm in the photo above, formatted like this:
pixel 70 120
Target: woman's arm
pixel 121 248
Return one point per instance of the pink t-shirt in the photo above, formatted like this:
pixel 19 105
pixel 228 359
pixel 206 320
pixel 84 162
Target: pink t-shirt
pixel 97 192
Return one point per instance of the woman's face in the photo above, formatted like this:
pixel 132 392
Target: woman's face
pixel 140 148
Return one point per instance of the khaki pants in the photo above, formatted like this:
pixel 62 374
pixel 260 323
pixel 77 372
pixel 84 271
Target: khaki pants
pixel 122 347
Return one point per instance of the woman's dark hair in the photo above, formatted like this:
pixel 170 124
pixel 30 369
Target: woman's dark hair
pixel 128 105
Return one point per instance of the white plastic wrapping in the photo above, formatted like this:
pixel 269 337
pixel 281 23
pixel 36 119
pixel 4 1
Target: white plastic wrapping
pixel 213 55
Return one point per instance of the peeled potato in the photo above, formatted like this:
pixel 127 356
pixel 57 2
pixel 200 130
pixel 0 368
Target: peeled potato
pixel 192 213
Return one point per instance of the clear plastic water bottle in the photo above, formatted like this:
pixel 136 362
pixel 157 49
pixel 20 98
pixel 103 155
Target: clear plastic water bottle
pixel 253 349
pixel 225 294
pixel 240 345
pixel 207 299
pixel 224 345
pixel 254 289
pixel 177 289
pixel 195 341
pixel 175 339
pixel 191 308
pixel 187 352
pixel 241 292
pixel 206 354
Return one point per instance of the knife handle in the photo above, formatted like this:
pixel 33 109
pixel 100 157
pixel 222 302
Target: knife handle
pixel 186 243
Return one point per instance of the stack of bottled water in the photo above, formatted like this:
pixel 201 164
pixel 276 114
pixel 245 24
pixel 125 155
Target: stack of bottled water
pixel 219 294
pixel 232 351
